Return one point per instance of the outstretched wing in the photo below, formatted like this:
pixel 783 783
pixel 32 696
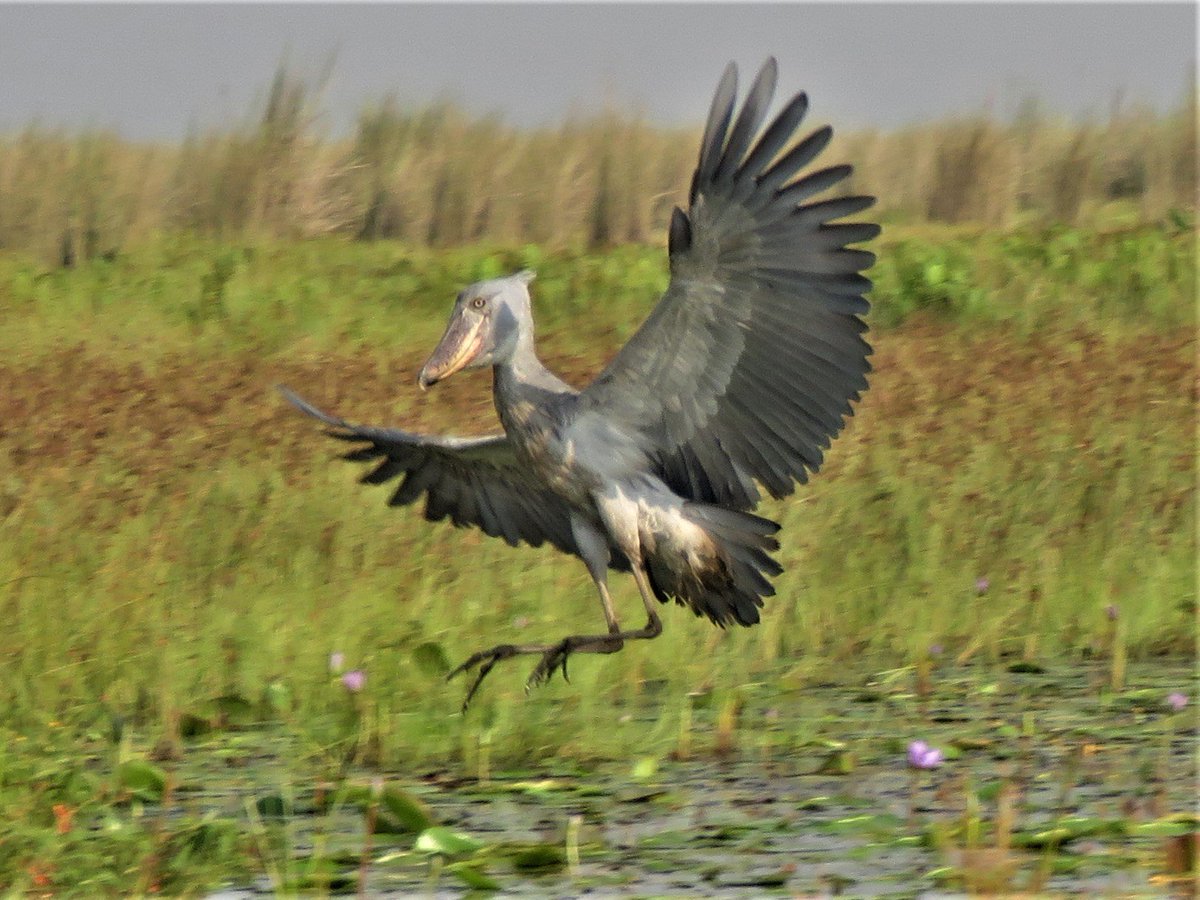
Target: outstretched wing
pixel 748 364
pixel 471 481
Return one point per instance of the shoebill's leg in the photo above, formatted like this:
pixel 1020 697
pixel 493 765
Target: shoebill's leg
pixel 554 656
pixel 593 549
pixel 653 623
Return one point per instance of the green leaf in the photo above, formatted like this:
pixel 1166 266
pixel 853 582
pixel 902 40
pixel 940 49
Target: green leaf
pixel 537 787
pixel 473 877
pixel 883 824
pixel 971 742
pixel 539 857
pixel 192 725
pixel 447 841
pixel 142 779
pixel 234 711
pixel 989 791
pixel 1067 829
pixel 840 762
pixel 323 879
pixel 277 698
pixel 775 879
pixel 273 806
pixel 645 768
pixel 1025 667
pixel 814 804
pixel 116 727
pixel 431 659
pixel 404 812
pixel 1161 828
pixel 639 794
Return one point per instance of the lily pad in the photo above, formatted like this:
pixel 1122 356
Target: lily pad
pixel 446 841
pixel 142 779
pixel 326 877
pixel 971 742
pixel 192 725
pixel 539 857
pixel 1162 828
pixel 431 659
pixel 537 787
pixel 636 794
pixel 397 812
pixel 277 699
pixel 273 806
pixel 473 877
pixel 645 768
pixel 1027 668
pixel 772 879
pixel 839 762
pixel 877 824
pixel 815 804
pixel 234 711
pixel 404 811
pixel 1066 830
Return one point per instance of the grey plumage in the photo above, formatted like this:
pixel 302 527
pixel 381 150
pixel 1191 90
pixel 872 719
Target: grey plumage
pixel 740 377
pixel 471 481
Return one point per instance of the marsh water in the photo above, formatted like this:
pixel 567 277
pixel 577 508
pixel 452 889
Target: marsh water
pixel 1095 790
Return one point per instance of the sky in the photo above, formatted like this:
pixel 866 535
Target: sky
pixel 154 71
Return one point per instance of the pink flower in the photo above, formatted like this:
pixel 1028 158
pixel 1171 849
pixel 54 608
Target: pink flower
pixel 354 680
pixel 982 585
pixel 336 661
pixel 922 756
pixel 1176 700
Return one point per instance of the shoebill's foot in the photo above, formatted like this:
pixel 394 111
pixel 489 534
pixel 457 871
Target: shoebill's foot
pixel 554 656
pixel 486 660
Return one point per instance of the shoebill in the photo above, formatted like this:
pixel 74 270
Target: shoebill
pixel 735 384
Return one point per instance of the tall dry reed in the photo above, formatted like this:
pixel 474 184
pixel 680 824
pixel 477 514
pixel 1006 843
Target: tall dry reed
pixel 437 176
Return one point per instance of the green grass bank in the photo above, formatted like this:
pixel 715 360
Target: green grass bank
pixel 179 551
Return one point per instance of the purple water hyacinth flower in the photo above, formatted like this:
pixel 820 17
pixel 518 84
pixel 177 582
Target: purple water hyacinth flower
pixel 1177 701
pixel 336 661
pixel 922 756
pixel 1112 612
pixel 354 680
pixel 982 585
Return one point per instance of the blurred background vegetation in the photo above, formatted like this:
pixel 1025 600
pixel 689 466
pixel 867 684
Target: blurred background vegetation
pixel 436 176
pixel 180 555
pixel 1029 419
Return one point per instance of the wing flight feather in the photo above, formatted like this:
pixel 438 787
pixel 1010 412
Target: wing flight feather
pixel 747 367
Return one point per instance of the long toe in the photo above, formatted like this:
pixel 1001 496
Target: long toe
pixel 475 685
pixel 554 658
pixel 494 654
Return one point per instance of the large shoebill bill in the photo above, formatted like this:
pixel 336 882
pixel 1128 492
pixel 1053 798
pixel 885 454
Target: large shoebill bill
pixel 736 382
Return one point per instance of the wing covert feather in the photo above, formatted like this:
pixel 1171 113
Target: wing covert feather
pixel 471 481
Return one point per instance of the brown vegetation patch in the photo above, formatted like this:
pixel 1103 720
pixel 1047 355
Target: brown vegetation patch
pixel 71 415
